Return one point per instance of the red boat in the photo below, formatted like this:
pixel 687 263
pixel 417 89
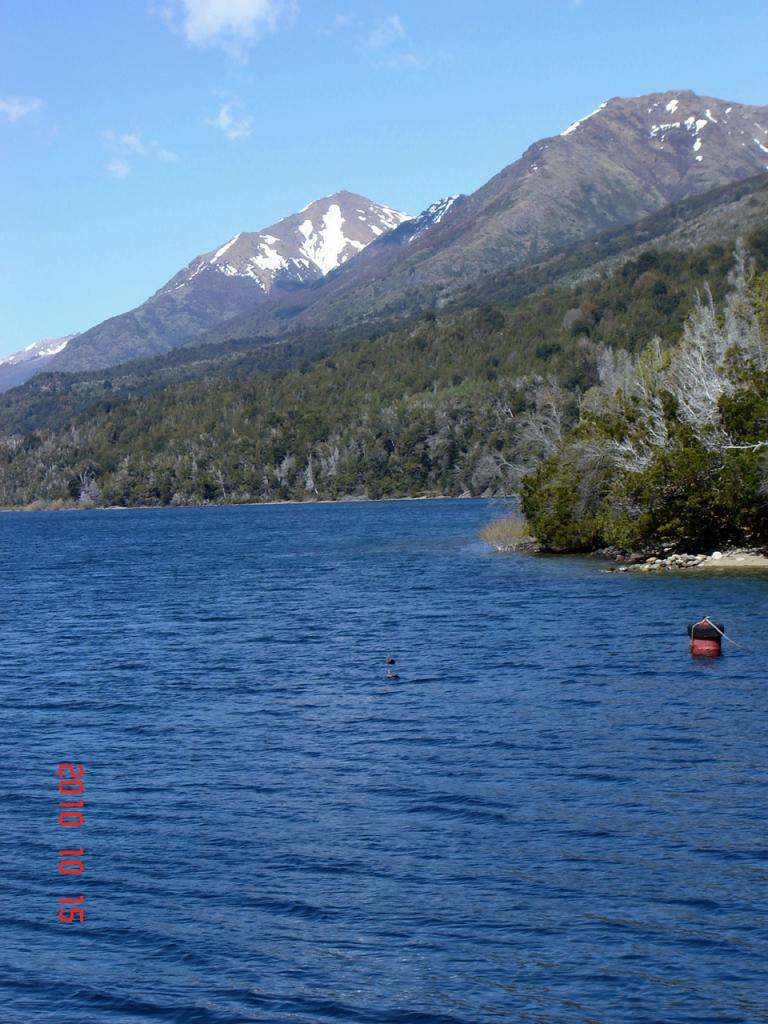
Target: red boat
pixel 706 637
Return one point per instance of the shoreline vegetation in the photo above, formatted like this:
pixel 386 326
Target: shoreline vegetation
pixel 508 535
pixel 511 536
pixel 621 424
pixel 60 505
pixel 462 400
pixel 669 454
pixel 666 467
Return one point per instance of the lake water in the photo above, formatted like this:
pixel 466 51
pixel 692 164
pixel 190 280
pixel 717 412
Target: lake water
pixel 554 814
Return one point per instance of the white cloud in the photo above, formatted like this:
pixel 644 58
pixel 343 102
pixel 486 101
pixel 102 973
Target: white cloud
pixel 16 107
pixel 403 62
pixel 233 120
pixel 118 168
pixel 338 24
pixel 127 147
pixel 386 35
pixel 127 142
pixel 389 36
pixel 133 143
pixel 232 25
pixel 386 31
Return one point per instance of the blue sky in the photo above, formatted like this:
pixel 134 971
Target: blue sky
pixel 136 135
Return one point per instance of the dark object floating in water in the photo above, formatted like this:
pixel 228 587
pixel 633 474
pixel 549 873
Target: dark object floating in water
pixel 392 675
pixel 706 637
pixel 390 660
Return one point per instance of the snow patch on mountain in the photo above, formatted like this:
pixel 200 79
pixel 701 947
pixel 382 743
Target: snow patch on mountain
pixel 391 218
pixel 694 124
pixel 220 252
pixel 269 259
pixel 38 350
pixel 439 209
pixel 431 216
pixel 577 124
pixel 300 248
pixel 663 128
pixel 324 245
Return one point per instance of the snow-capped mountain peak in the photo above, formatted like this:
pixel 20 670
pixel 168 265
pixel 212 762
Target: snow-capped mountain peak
pixel 681 123
pixel 236 276
pixel 580 121
pixel 38 350
pixel 19 367
pixel 300 248
pixel 344 258
pixel 431 216
pixel 688 121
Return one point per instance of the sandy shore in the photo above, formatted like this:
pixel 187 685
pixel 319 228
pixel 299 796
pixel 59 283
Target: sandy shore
pixel 733 560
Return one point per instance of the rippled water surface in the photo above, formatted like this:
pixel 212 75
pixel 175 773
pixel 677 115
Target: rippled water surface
pixel 554 814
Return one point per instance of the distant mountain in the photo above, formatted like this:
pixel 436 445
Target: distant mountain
pixel 345 261
pixel 300 248
pixel 415 227
pixel 707 224
pixel 626 160
pixel 235 278
pixel 459 403
pixel 21 366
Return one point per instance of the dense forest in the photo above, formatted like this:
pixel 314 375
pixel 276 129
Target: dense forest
pixel 460 403
pixel 670 452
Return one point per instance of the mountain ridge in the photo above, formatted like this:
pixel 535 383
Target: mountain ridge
pixel 235 277
pixel 21 366
pixel 626 159
pixel 455 405
pixel 586 182
pixel 715 219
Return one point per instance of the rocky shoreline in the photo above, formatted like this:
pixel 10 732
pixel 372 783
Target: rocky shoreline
pixel 732 558
pixel 512 539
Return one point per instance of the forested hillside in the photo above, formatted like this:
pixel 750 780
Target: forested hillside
pixel 670 452
pixel 708 223
pixel 343 262
pixel 458 404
